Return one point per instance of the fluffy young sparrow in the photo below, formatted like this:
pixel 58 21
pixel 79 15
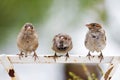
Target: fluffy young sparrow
pixel 95 39
pixel 27 40
pixel 62 44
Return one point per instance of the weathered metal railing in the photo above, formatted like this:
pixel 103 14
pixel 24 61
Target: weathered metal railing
pixel 8 60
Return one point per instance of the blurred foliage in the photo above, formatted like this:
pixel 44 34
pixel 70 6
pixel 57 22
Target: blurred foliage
pixel 88 4
pixel 103 16
pixel 75 77
pixel 22 10
pixel 17 12
pixel 14 13
pixel 95 5
pixel 82 72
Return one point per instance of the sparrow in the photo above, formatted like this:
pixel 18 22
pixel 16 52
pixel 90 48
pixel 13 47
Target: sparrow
pixel 95 39
pixel 62 44
pixel 27 41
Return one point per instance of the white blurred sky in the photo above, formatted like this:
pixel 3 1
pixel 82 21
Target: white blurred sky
pixel 60 18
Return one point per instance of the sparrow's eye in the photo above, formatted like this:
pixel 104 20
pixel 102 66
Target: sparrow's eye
pixel 26 26
pixel 65 38
pixel 31 27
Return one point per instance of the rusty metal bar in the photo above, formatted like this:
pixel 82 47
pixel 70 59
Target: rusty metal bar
pixel 111 69
pixel 8 60
pixel 8 67
pixel 50 59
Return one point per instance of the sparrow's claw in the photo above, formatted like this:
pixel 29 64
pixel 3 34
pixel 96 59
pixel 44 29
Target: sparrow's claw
pixel 20 55
pixel 55 56
pixel 89 55
pixel 67 56
pixel 101 57
pixel 35 56
pixel 25 55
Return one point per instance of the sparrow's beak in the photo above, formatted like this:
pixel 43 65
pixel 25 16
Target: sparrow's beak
pixel 88 25
pixel 28 28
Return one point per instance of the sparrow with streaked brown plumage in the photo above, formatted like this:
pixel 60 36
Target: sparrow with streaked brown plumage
pixel 27 41
pixel 62 44
pixel 95 39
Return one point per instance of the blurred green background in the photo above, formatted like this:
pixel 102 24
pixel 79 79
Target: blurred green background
pixel 14 13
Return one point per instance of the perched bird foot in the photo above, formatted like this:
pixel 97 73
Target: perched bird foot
pixel 89 55
pixel 55 56
pixel 25 55
pixel 20 55
pixel 67 56
pixel 101 57
pixel 35 56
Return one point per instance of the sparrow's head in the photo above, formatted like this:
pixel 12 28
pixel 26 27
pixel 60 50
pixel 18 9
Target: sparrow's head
pixel 94 26
pixel 28 28
pixel 62 41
